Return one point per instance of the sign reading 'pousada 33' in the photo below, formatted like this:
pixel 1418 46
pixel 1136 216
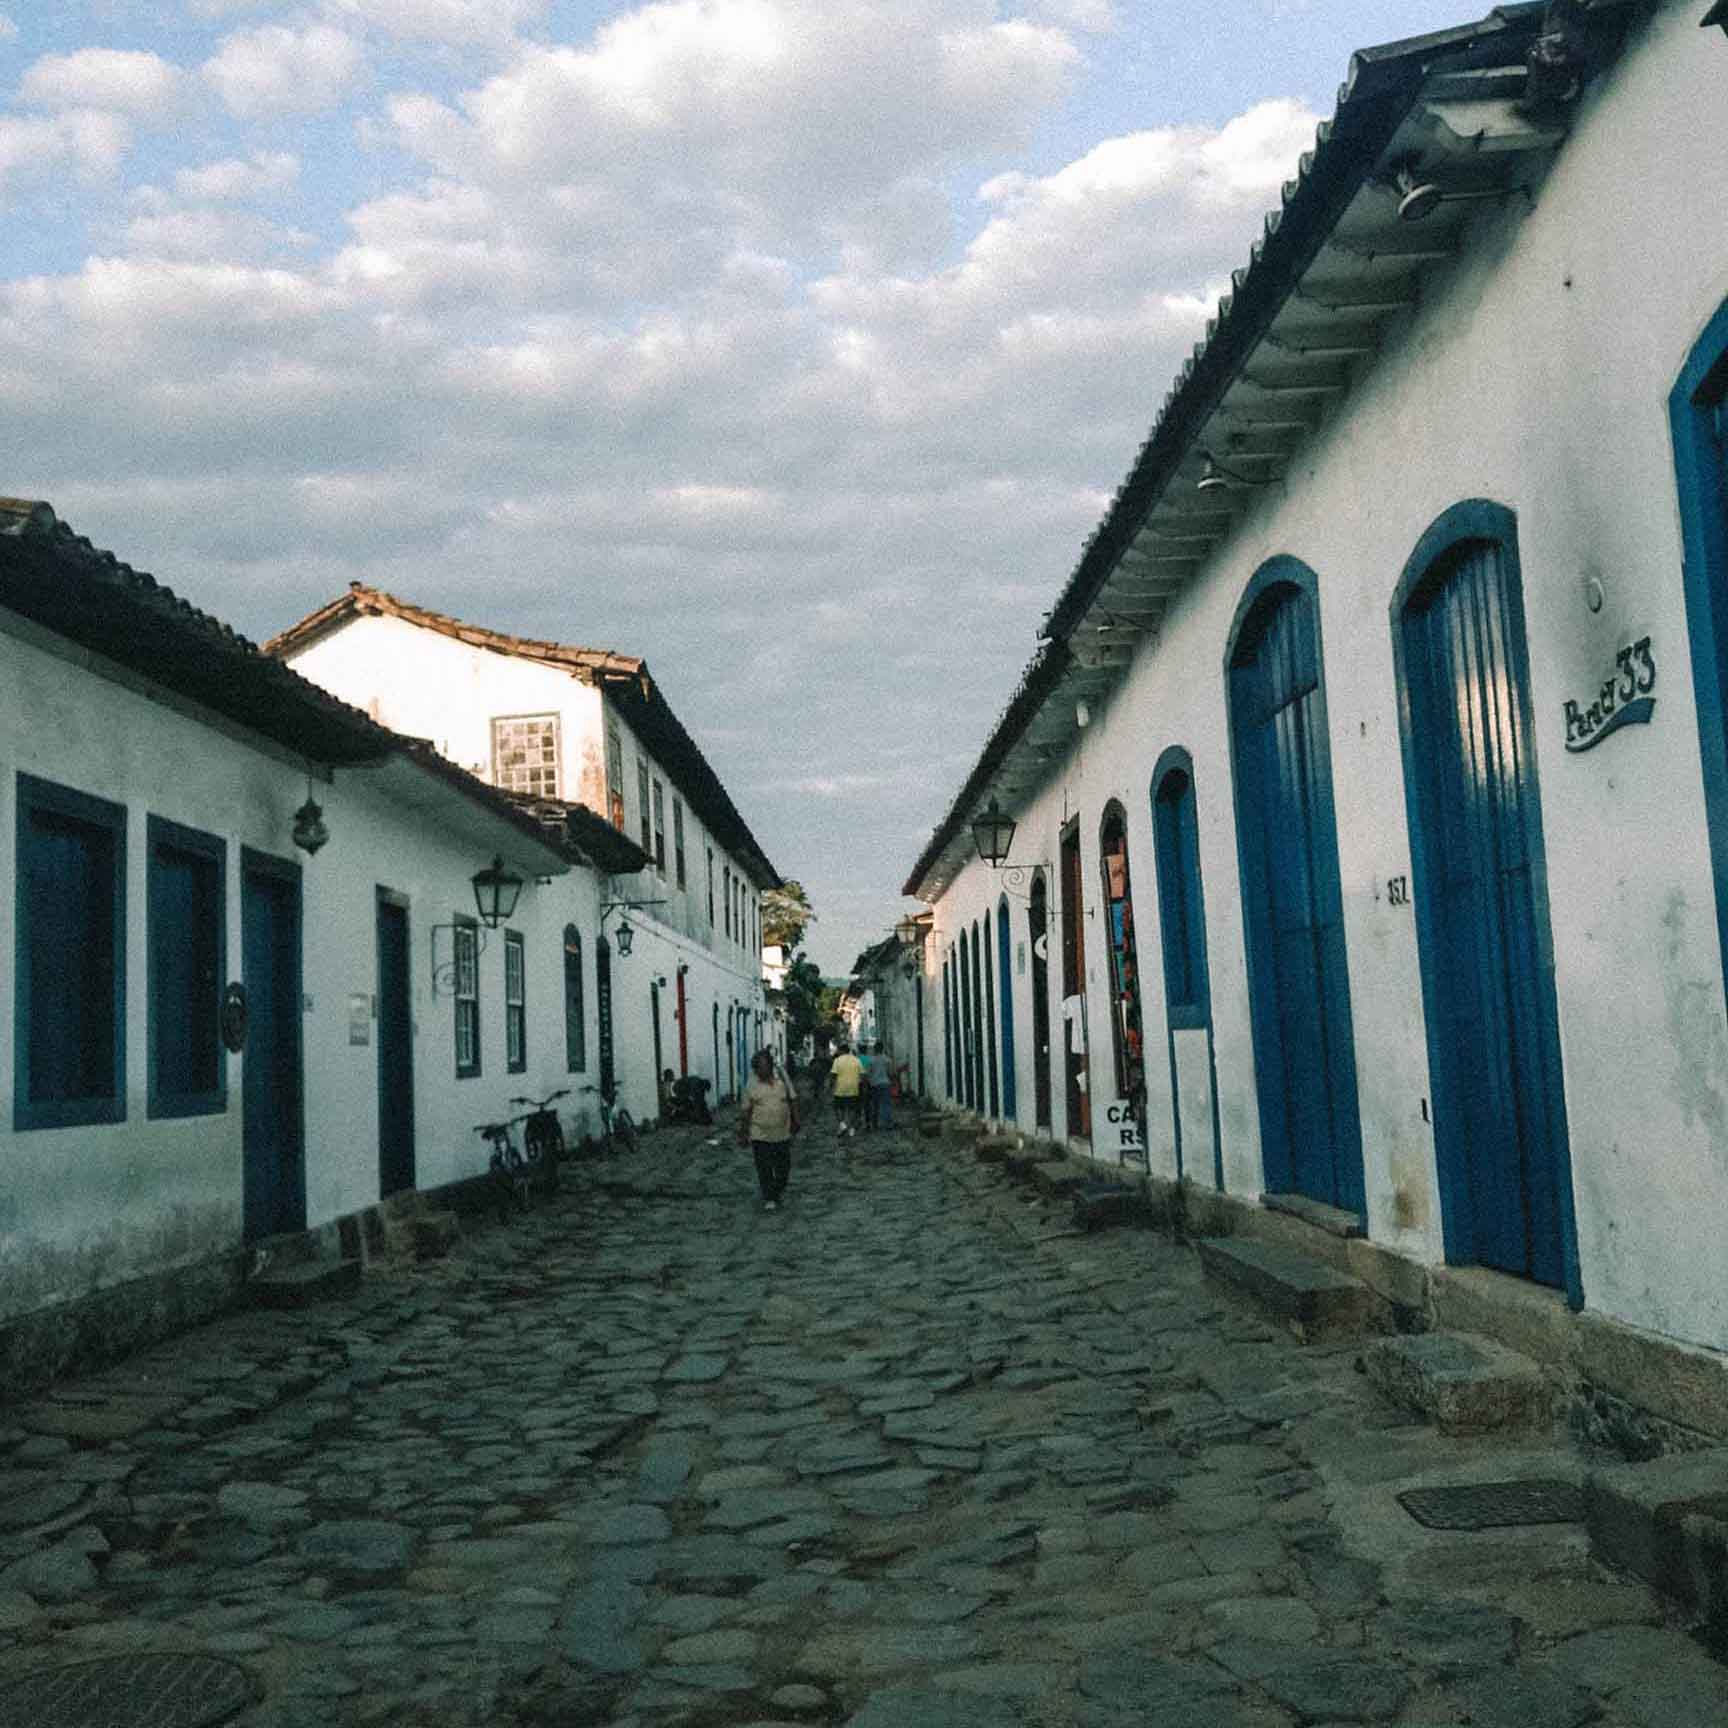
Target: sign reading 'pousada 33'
pixel 1623 700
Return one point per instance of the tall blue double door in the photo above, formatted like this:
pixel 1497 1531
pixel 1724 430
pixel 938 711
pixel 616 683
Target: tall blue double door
pixel 1479 893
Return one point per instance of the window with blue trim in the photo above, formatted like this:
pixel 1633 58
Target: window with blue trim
pixel 515 1004
pixel 466 946
pixel 575 1010
pixel 1181 914
pixel 69 979
pixel 188 943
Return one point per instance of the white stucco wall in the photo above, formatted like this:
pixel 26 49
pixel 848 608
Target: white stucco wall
pixel 1536 374
pixel 429 685
pixel 87 1207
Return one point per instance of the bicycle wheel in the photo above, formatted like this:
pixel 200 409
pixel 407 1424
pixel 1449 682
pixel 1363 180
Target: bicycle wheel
pixel 624 1130
pixel 521 1174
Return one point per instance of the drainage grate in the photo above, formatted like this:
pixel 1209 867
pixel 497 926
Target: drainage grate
pixel 141 1691
pixel 1493 1505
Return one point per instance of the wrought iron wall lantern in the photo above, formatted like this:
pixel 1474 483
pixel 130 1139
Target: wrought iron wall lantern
pixel 624 936
pixel 993 834
pixel 496 891
pixel 309 832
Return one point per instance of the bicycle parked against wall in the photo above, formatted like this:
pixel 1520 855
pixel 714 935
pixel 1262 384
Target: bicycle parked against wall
pixel 543 1135
pixel 617 1125
pixel 514 1172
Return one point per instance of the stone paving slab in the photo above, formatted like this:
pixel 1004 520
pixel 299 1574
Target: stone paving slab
pixel 906 1454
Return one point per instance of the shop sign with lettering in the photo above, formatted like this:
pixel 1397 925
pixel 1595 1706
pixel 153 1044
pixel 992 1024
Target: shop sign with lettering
pixel 1126 1131
pixel 1623 700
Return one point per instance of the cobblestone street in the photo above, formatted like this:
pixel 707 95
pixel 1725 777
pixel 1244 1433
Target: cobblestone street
pixel 911 1452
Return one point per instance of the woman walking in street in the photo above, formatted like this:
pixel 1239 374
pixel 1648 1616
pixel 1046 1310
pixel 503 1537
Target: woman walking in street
pixel 767 1120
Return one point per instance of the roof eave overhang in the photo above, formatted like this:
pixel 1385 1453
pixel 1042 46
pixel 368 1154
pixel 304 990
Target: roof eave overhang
pixel 1334 268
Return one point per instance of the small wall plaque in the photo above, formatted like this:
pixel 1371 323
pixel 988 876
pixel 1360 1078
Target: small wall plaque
pixel 1623 700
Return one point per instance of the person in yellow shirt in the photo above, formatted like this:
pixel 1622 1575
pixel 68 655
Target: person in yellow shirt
pixel 848 1077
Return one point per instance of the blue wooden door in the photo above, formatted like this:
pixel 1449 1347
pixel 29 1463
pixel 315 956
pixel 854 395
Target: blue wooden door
pixel 274 1177
pixel 1304 1055
pixel 1499 1115
pixel 395 1052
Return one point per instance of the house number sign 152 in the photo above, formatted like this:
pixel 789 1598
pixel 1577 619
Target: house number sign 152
pixel 1623 700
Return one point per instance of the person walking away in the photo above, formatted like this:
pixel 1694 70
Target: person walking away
pixel 848 1077
pixel 881 1098
pixel 767 1120
pixel 866 1090
pixel 820 1065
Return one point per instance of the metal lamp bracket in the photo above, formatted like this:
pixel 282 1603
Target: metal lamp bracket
pixel 444 970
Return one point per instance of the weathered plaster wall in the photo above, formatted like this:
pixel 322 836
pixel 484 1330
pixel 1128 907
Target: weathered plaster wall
pixel 88 1207
pixel 433 686
pixel 1536 374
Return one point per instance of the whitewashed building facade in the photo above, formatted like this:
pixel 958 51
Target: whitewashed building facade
pixel 155 771
pixel 1370 774
pixel 592 728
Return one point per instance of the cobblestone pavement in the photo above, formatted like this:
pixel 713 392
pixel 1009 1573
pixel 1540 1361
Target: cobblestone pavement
pixel 906 1454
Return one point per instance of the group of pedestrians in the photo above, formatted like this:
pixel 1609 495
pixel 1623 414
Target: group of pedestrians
pixel 861 1086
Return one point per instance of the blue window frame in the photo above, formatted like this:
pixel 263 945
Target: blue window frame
pixel 1698 417
pixel 1181 904
pixel 69 977
pixel 575 1010
pixel 187 926
pixel 515 1004
pixel 466 943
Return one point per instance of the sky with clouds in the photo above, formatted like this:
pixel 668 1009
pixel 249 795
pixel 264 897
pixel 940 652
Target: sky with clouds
pixel 795 345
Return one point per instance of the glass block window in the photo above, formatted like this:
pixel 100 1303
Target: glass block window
pixel 467 990
pixel 525 754
pixel 515 1004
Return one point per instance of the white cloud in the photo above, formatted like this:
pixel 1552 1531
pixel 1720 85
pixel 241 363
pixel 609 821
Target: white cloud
pixel 84 142
pixel 8 30
pixel 138 84
pixel 770 120
pixel 207 235
pixel 460 23
pixel 687 313
pixel 277 70
pixel 233 179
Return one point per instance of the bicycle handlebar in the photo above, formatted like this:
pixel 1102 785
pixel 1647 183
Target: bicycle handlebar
pixel 543 1103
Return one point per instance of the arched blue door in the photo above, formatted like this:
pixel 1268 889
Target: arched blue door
pixel 1005 982
pixel 968 1009
pixel 1481 901
pixel 1305 1064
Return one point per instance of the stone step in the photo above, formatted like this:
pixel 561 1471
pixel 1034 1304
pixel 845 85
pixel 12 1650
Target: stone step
pixel 1667 1522
pixel 1097 1205
pixel 301 1285
pixel 435 1234
pixel 1306 1295
pixel 1463 1383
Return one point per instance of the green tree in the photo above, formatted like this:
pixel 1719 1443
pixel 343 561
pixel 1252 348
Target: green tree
pixel 786 915
pixel 804 999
